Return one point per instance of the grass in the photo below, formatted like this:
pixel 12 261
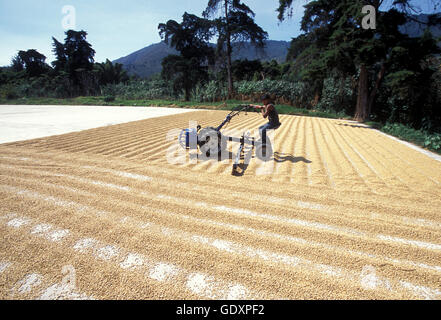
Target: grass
pixel 431 141
pixel 225 105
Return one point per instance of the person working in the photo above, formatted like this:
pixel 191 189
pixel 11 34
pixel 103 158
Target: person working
pixel 270 112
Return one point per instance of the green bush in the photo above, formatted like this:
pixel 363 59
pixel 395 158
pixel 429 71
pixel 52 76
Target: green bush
pixel 292 92
pixel 8 92
pixel 140 89
pixel 109 99
pixel 337 95
pixel 433 142
pixel 419 137
pixel 212 91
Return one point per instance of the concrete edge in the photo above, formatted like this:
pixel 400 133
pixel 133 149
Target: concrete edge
pixel 428 153
pixel 185 110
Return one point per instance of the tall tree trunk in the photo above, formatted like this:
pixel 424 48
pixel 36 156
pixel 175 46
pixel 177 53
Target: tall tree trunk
pixel 316 97
pixel 229 51
pixel 187 93
pixel 229 73
pixel 361 110
pixel 373 94
pixel 365 100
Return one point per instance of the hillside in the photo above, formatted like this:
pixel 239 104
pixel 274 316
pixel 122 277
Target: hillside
pixel 147 61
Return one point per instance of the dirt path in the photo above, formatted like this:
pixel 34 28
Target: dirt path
pixel 340 212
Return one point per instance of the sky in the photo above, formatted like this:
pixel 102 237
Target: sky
pixel 115 28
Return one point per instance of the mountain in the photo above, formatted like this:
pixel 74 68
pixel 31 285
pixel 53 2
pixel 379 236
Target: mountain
pixel 274 50
pixel 147 61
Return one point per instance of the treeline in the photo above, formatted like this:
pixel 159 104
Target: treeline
pixel 73 73
pixel 395 78
pixel 377 75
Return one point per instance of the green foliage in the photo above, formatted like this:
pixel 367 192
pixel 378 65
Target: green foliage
pixel 310 53
pixel 31 61
pixel 183 73
pixel 137 90
pixel 419 137
pixel 234 25
pixel 245 69
pixel 279 89
pixel 433 142
pixel 8 92
pixel 211 92
pixel 75 59
pixel 298 45
pixel 272 70
pixel 396 83
pixel 109 98
pixel 337 95
pixel 410 94
pixel 75 54
pixel 73 72
pixel 190 38
pixel 284 9
pixel 107 73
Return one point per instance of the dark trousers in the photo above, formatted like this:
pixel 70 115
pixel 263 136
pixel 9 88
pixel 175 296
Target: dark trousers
pixel 264 128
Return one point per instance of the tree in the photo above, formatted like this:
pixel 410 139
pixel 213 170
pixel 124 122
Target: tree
pixel 76 54
pixel 245 69
pixel 409 85
pixel 347 47
pixel 190 38
pixel 298 45
pixel 17 64
pixel 306 51
pixel 109 73
pixel 60 62
pixel 284 9
pixel 32 61
pixel 184 73
pixel 271 70
pixel 236 24
pixel 75 57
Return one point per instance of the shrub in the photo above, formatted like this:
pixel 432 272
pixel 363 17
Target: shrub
pixel 140 89
pixel 291 92
pixel 419 137
pixel 210 92
pixel 337 95
pixel 433 142
pixel 109 98
pixel 8 92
